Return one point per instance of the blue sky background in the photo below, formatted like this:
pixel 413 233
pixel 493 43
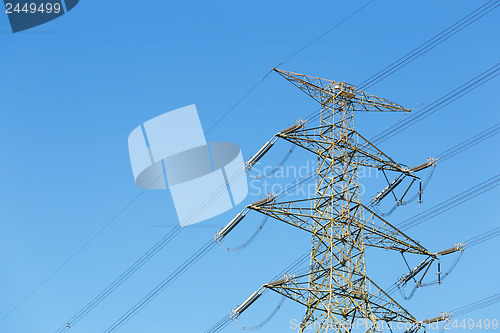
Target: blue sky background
pixel 73 89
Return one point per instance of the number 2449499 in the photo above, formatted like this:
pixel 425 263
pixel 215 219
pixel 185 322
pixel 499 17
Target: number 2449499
pixel 472 324
pixel 33 8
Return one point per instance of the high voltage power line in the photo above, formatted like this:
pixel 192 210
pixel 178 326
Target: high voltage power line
pixel 292 186
pixel 488 301
pixel 465 196
pixel 137 265
pixel 480 137
pixel 463 310
pixel 420 218
pixel 453 95
pixel 120 280
pixel 417 219
pixel 468 19
pixel 424 48
pixel 164 284
pixel 226 320
pixel 430 44
pixel 245 95
pixel 456 200
pixel 476 305
pixel 336 289
pixel 483 237
pixel 438 209
pixel 155 292
pixel 113 219
pixel 433 107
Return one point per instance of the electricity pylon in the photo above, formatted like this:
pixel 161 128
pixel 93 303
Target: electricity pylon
pixel 336 290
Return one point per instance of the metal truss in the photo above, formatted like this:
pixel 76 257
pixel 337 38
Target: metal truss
pixel 336 290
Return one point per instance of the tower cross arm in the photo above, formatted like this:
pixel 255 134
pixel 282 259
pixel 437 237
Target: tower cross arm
pixel 326 92
pixel 371 156
pixel 293 213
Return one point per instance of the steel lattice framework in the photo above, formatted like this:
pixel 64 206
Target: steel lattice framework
pixel 336 290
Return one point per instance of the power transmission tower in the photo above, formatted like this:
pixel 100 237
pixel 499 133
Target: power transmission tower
pixel 336 290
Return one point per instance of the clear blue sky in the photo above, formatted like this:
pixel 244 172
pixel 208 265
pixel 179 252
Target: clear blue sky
pixel 73 89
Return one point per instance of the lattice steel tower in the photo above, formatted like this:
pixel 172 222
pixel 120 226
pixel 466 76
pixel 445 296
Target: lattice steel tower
pixel 336 290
